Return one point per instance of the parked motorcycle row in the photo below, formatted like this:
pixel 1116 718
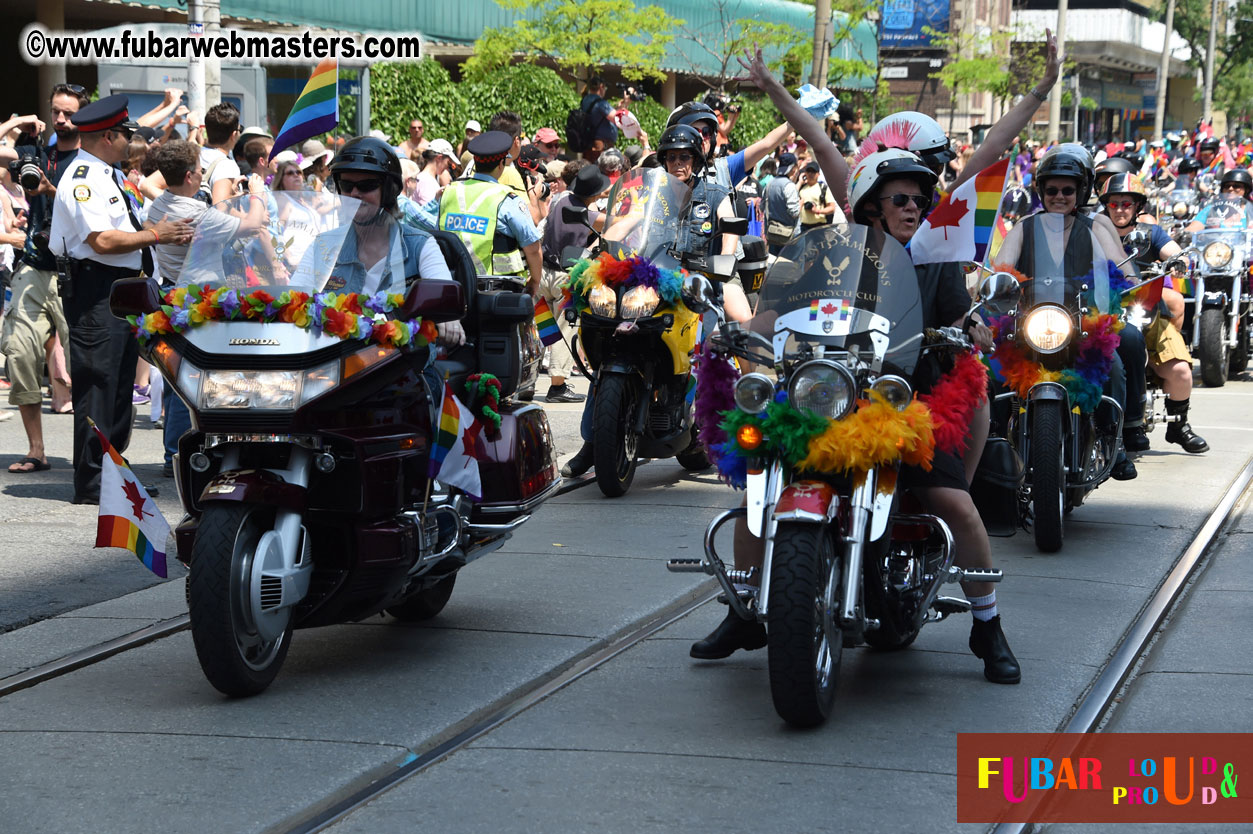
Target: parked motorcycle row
pixel 307 481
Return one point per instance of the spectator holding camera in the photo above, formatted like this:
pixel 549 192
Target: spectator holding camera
pixel 35 329
pixel 728 114
pixel 818 206
pixel 628 125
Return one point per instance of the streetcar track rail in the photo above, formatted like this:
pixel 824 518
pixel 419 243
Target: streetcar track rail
pixel 1106 689
pixel 150 633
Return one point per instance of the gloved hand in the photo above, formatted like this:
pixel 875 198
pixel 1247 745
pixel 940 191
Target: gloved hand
pixel 451 334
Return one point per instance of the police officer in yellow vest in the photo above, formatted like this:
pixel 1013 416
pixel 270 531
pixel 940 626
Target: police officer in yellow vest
pixel 490 218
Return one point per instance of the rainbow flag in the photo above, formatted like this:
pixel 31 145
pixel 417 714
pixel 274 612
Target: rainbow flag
pixel 316 109
pixel 458 447
pixel 1214 166
pixel 813 310
pixel 1184 286
pixel 999 233
pixel 128 517
pixel 961 226
pixel 128 188
pixel 1146 294
pixel 549 333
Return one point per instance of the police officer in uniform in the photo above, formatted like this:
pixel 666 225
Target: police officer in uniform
pixel 491 219
pixel 98 239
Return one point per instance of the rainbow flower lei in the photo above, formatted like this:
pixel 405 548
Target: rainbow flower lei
pixel 606 270
pixel 346 315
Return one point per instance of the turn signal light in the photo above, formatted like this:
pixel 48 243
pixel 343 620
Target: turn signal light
pixel 357 362
pixel 749 437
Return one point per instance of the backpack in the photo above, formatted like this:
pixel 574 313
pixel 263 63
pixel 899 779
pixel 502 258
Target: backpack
pixel 578 129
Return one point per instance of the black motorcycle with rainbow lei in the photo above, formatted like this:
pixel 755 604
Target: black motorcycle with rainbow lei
pixel 816 432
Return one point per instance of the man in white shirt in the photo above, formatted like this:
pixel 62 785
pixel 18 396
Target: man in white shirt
pixel 221 174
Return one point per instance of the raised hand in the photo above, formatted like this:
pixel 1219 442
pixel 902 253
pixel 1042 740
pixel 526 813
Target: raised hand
pixel 758 73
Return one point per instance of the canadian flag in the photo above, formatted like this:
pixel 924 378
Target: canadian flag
pixel 128 517
pixel 458 447
pixel 961 224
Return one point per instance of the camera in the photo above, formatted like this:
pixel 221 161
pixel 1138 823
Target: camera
pixel 27 169
pixel 630 92
pixel 809 205
pixel 721 103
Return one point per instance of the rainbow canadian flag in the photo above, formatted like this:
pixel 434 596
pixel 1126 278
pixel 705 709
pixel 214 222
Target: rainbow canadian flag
pixel 960 227
pixel 457 446
pixel 128 518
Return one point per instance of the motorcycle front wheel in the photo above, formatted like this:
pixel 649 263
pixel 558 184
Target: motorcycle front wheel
pixel 804 644
pixel 614 442
pixel 235 657
pixel 1213 345
pixel 1048 477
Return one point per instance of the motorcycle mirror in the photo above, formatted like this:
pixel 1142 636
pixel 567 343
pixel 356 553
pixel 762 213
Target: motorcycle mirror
pixel 134 297
pixel 434 299
pixel 1000 292
pixel 575 214
pixel 696 293
pixel 733 226
pixel 570 256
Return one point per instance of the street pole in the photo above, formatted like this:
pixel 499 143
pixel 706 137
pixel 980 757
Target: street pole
pixel 1075 97
pixel 1159 117
pixel 1055 98
pixel 195 65
pixel 212 64
pixel 822 43
pixel 1207 109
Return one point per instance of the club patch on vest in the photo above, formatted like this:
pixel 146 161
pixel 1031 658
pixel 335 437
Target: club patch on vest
pixel 469 223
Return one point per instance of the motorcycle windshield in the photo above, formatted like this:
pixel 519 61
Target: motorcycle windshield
pixel 311 241
pixel 844 287
pixel 1227 213
pixel 645 205
pixel 1049 284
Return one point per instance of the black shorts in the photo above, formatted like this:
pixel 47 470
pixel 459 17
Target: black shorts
pixel 947 470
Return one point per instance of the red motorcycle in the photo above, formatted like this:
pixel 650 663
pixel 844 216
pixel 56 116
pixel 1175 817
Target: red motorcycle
pixel 307 475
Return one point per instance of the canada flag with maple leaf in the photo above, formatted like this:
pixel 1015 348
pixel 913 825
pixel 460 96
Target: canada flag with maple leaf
pixel 961 224
pixel 128 518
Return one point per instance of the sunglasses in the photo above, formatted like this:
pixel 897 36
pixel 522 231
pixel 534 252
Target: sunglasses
pixel 369 186
pixel 705 131
pixel 1121 204
pixel 901 200
pixel 1231 186
pixel 1067 191
pixel 679 157
pixel 74 89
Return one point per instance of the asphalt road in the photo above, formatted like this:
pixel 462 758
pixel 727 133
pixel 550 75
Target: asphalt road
pixel 649 741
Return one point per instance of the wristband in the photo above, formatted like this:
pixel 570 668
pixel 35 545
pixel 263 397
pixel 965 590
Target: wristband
pixel 1043 97
pixel 156 238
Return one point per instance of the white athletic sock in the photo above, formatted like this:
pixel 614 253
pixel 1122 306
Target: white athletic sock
pixel 984 608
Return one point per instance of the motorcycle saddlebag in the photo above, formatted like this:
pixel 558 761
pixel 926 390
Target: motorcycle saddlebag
pixel 502 317
pixel 995 489
pixel 517 464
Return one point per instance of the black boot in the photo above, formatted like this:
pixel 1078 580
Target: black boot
pixel 1181 432
pixel 1124 469
pixel 731 634
pixel 1134 439
pixel 580 463
pixel 988 643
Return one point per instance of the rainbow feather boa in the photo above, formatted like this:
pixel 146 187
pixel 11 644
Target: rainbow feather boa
pixel 606 270
pixel 347 315
pixel 1084 382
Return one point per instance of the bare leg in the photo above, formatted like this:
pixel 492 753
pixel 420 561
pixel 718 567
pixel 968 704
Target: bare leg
pixel 1176 378
pixel 980 425
pixel 32 421
pixel 1174 305
pixel 970 538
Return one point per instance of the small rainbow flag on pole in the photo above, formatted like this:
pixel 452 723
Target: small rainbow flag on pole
pixel 549 333
pixel 458 446
pixel 128 517
pixel 316 110
pixel 1146 294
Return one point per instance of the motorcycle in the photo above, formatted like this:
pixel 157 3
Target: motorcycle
pixel 1178 208
pixel 635 329
pixel 306 476
pixel 837 332
pixel 1015 205
pixel 1220 304
pixel 1055 351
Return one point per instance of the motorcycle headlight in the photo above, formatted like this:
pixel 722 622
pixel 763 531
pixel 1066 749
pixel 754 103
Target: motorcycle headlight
pixel 1048 329
pixel 753 392
pixel 267 390
pixel 823 388
pixel 603 301
pixel 1179 209
pixel 1217 255
pixel 639 303
pixel 895 390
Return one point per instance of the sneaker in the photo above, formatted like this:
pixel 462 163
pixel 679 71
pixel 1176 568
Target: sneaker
pixel 158 423
pixel 563 393
pixel 141 395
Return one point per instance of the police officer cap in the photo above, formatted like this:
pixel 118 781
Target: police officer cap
pixel 104 114
pixel 491 145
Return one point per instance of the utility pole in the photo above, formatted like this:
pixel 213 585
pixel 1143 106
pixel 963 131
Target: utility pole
pixel 1055 97
pixel 1159 117
pixel 213 64
pixel 1207 109
pixel 195 65
pixel 822 43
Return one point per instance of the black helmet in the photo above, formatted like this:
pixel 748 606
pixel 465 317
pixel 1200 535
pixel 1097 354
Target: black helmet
pixel 1068 160
pixel 681 137
pixel 1114 165
pixel 1210 144
pixel 372 156
pixel 1240 176
pixel 692 113
pixel 1189 165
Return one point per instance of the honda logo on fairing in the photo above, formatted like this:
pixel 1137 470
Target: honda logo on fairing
pixel 253 342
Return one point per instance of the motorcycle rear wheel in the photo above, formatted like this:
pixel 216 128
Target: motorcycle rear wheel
pixel 614 441
pixel 1213 345
pixel 235 658
pixel 804 644
pixel 1048 478
pixel 426 603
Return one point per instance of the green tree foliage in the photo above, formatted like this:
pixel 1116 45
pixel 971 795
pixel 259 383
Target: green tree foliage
pixel 728 35
pixel 1234 44
pixel 400 92
pixel 579 36
pixel 537 94
pixel 758 117
pixel 652 117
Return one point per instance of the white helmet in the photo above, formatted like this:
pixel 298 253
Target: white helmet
pixel 874 169
pixel 917 132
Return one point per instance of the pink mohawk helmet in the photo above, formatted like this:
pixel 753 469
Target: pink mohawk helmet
pixel 910 131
